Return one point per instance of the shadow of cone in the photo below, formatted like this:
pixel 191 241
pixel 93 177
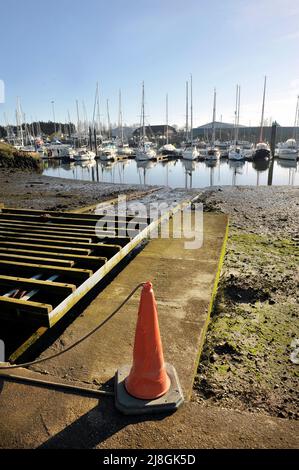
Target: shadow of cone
pixel 149 385
pixel 148 378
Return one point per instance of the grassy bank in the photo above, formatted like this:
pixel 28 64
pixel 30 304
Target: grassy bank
pixel 12 158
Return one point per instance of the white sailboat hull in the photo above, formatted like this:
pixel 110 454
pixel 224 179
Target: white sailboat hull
pixel 84 156
pixel 125 151
pixel 212 154
pixel 149 154
pixel 234 155
pixel 190 154
pixel 287 154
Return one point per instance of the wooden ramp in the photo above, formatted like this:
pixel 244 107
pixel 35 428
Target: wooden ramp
pixel 51 260
pixel 185 283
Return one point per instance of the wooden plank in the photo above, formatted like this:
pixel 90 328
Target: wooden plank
pixel 35 336
pixel 82 290
pixel 30 268
pixel 81 259
pixel 72 215
pixel 73 227
pixel 7 234
pixel 10 307
pixel 57 229
pixel 98 247
pixel 36 247
pixel 51 261
pixel 68 219
pixel 53 234
pixel 45 286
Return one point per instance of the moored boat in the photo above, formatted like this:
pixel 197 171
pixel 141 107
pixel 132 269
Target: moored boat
pixel 83 154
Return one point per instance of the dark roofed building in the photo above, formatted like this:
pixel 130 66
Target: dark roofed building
pixel 158 131
pixel 218 125
pixel 225 131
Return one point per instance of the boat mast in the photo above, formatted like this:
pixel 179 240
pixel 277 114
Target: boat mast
pixel 263 110
pixel 296 119
pixel 69 121
pixel 214 117
pixel 98 114
pixel 238 113
pixel 94 106
pixel 78 124
pixel 220 130
pixel 187 117
pixel 120 120
pixel 236 107
pixel 19 121
pixel 191 109
pixel 85 120
pixel 142 115
pixel 166 118
pixel 108 119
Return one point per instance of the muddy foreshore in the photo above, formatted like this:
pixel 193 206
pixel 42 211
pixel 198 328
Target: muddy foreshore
pixel 32 190
pixel 246 358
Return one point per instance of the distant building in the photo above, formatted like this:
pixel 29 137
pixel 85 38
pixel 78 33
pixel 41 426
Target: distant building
pixel 156 132
pixel 225 131
pixel 218 125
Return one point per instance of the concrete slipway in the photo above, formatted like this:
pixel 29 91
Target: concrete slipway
pixel 184 283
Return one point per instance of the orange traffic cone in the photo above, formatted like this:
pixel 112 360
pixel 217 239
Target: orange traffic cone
pixel 148 378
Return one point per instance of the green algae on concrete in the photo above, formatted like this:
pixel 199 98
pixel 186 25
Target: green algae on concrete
pixel 246 358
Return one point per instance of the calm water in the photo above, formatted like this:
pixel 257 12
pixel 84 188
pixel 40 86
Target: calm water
pixel 178 173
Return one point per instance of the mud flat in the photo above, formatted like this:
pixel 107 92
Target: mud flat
pixel 31 190
pixel 246 361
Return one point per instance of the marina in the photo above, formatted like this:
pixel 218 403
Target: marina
pixel 179 173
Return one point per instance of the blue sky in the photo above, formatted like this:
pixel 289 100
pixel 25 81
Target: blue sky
pixel 58 50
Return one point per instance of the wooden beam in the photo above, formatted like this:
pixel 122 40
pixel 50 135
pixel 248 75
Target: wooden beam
pixel 101 248
pixel 36 335
pixel 54 229
pixel 32 269
pixel 71 215
pixel 10 307
pixel 45 286
pixel 37 246
pixel 80 259
pixel 35 259
pixel 88 229
pixel 7 234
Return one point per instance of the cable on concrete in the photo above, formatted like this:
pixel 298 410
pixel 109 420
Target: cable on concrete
pixel 80 340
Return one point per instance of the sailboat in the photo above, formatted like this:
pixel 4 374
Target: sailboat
pixel 262 149
pixel 190 152
pixel 289 150
pixel 145 150
pixel 122 147
pixel 108 149
pixel 234 152
pixel 167 149
pixel 213 152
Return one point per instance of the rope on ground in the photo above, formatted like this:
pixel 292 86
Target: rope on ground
pixel 80 340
